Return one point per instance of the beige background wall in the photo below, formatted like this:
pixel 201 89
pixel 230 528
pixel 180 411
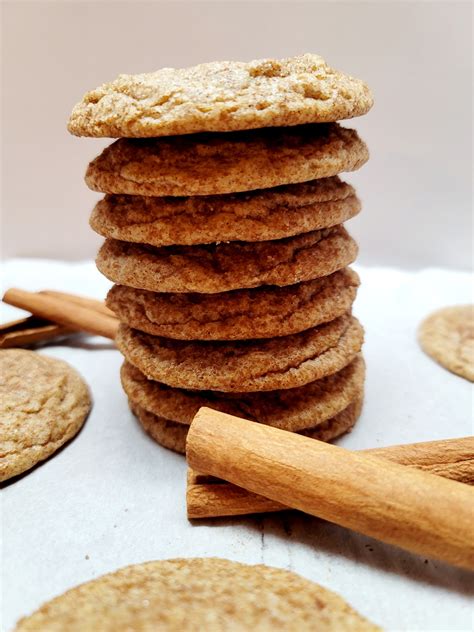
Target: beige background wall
pixel 415 55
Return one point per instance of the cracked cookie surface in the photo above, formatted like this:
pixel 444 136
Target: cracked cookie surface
pixel 292 409
pixel 208 164
pixel 447 336
pixel 195 594
pixel 264 312
pixel 43 404
pixel 251 216
pixel 173 435
pixel 221 96
pixel 217 268
pixel 248 365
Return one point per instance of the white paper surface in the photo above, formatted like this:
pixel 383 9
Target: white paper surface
pixel 113 497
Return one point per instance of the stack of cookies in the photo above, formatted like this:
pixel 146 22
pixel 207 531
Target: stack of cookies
pixel 223 219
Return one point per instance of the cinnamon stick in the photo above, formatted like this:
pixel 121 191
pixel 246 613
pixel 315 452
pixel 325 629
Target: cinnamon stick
pixel 63 311
pixel 449 458
pixel 28 331
pixel 209 497
pixel 84 301
pixel 410 508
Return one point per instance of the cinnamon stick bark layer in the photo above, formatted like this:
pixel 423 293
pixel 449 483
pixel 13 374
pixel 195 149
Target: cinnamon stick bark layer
pixel 415 510
pixel 210 497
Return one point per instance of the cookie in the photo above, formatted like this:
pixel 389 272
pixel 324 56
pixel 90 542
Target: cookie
pixel 447 336
pixel 338 425
pixel 264 312
pixel 43 404
pixel 215 268
pixel 194 594
pixel 220 97
pixel 291 409
pixel 172 435
pixel 259 215
pixel 248 365
pixel 208 164
pixel 168 434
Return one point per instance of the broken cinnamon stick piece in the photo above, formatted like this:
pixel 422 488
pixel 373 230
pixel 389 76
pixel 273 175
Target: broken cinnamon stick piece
pixel 409 508
pixel 210 497
pixel 207 497
pixel 29 331
pixel 60 310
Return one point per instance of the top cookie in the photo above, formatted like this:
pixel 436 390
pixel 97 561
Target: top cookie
pixel 188 595
pixel 221 97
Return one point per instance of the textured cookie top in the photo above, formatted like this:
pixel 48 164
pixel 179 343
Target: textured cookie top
pixel 43 403
pixel 208 164
pixel 447 336
pixel 229 266
pixel 249 365
pixel 221 97
pixel 196 594
pixel 291 409
pixel 264 312
pixel 252 216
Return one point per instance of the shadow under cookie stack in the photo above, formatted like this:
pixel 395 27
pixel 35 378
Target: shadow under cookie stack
pixel 223 219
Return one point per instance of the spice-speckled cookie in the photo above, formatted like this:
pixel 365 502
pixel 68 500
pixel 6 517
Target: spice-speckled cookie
pixel 447 336
pixel 221 96
pixel 264 312
pixel 291 409
pixel 338 425
pixel 208 164
pixel 216 268
pixel 43 404
pixel 259 215
pixel 247 365
pixel 196 594
pixel 173 435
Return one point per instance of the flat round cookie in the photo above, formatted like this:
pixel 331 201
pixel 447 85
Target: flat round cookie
pixel 338 425
pixel 193 595
pixel 264 312
pixel 221 96
pixel 208 164
pixel 43 404
pixel 259 215
pixel 168 434
pixel 447 336
pixel 217 268
pixel 291 409
pixel 248 365
pixel 172 435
